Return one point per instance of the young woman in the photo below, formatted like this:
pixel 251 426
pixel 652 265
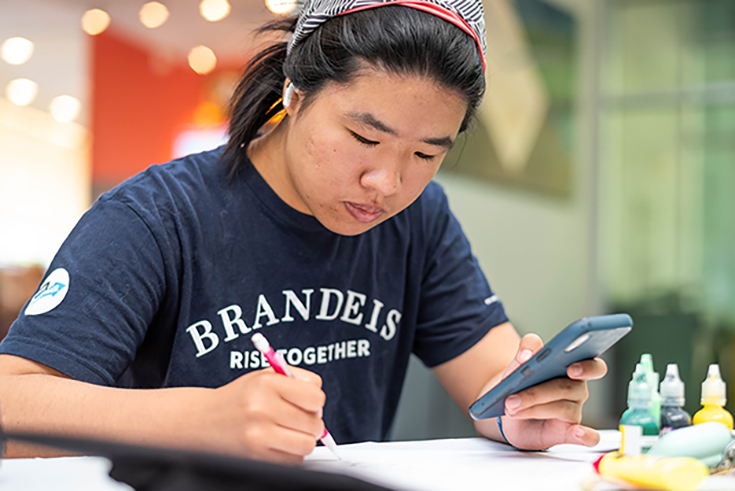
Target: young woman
pixel 324 232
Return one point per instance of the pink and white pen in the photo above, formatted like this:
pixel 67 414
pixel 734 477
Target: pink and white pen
pixel 280 366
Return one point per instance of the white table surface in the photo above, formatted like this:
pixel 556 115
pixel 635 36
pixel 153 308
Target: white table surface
pixel 420 465
pixel 61 473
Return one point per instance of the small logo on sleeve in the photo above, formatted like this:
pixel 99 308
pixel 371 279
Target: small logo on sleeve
pixel 50 294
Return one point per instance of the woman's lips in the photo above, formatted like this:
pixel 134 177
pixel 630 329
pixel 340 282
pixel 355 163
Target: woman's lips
pixel 363 213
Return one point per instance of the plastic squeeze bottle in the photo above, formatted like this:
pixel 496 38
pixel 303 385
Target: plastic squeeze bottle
pixel 673 415
pixel 627 412
pixel 706 442
pixel 671 474
pixel 653 380
pixel 639 404
pixel 714 397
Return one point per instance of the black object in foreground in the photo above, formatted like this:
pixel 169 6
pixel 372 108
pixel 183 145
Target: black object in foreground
pixel 165 469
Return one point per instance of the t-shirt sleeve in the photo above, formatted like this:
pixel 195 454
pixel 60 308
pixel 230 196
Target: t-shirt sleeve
pixel 457 306
pixel 94 306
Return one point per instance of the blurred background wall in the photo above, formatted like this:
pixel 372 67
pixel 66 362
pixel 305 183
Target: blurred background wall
pixel 597 178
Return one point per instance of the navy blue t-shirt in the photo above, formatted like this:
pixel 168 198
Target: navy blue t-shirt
pixel 165 279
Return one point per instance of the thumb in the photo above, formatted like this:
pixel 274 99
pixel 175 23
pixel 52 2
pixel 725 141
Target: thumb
pixel 306 376
pixel 529 345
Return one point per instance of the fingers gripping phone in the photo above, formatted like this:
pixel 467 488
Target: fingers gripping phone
pixel 582 340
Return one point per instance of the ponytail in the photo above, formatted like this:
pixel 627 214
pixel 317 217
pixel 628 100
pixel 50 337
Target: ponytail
pixel 257 97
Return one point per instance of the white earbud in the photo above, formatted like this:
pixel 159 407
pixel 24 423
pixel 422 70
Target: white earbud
pixel 290 89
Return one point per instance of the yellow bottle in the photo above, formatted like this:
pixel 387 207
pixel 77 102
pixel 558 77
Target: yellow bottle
pixel 714 397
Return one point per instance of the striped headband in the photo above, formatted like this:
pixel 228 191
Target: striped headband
pixel 465 14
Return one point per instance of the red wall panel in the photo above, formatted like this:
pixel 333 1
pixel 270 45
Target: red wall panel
pixel 138 106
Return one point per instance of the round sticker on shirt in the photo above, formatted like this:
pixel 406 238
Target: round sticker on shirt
pixel 50 294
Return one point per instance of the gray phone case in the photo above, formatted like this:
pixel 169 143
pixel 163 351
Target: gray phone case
pixel 582 340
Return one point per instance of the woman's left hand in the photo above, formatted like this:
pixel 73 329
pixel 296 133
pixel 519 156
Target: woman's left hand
pixel 549 413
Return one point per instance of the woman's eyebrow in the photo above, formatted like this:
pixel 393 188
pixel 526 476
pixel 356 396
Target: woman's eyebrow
pixel 445 142
pixel 370 120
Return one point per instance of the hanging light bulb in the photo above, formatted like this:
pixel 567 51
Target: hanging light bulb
pixel 95 21
pixel 202 60
pixel 64 108
pixel 21 91
pixel 281 7
pixel 153 14
pixel 17 51
pixel 214 10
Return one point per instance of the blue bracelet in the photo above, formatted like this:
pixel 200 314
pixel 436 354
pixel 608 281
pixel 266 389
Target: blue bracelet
pixel 502 433
pixel 500 427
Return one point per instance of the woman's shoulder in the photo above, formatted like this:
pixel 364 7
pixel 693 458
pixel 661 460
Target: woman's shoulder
pixel 189 175
pixel 177 195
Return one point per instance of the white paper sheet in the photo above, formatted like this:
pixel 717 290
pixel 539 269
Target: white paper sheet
pixel 473 463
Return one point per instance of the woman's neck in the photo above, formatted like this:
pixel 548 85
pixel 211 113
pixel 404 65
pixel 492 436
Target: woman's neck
pixel 268 155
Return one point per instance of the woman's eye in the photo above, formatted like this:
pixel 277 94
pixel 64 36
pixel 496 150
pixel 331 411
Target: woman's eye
pixel 423 156
pixel 364 140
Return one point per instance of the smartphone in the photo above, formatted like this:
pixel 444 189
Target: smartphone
pixel 585 339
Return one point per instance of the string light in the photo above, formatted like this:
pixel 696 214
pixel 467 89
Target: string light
pixel 95 21
pixel 64 108
pixel 281 7
pixel 214 10
pixel 202 60
pixel 17 51
pixel 153 14
pixel 21 91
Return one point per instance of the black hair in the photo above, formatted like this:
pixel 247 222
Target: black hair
pixel 398 39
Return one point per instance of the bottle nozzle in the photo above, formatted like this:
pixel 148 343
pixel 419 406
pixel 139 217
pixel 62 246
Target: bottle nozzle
pixel 714 389
pixel 672 387
pixel 647 362
pixel 639 390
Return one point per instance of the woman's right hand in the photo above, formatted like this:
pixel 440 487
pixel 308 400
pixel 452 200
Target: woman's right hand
pixel 261 415
pixel 264 415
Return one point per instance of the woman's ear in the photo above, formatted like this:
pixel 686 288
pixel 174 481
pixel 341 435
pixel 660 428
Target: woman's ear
pixel 290 96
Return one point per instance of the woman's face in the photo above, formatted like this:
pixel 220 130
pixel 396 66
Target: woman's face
pixel 359 153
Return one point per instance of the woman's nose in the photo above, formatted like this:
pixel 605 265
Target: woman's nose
pixel 386 180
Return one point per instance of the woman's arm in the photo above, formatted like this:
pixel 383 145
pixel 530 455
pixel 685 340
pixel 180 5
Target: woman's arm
pixel 260 415
pixel 465 376
pixel 546 414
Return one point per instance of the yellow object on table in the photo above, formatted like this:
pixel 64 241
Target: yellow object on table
pixel 671 474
